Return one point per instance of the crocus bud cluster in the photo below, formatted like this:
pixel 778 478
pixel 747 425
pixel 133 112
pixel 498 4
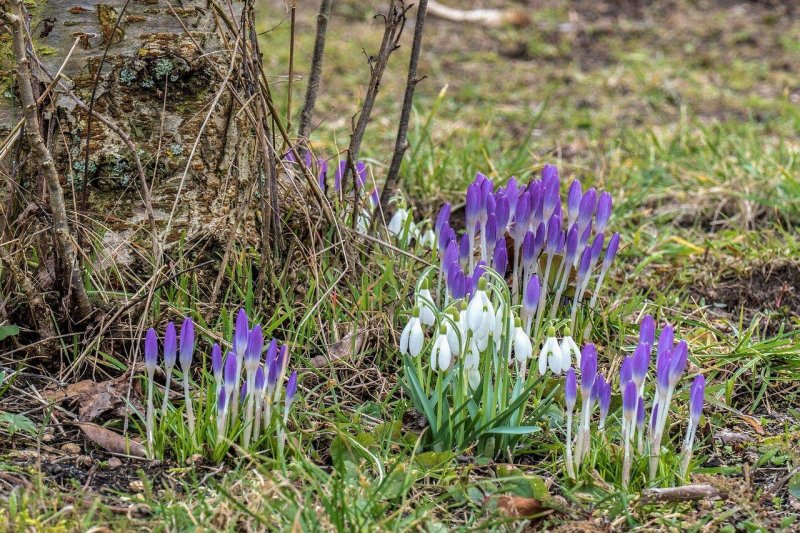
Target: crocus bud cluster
pixel 259 390
pixel 671 360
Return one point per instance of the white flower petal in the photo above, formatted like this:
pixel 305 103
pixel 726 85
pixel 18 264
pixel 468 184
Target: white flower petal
pixel 444 354
pixel 474 378
pixel 416 338
pixel 404 338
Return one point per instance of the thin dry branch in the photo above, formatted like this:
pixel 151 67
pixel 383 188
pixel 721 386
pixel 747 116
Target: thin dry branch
pixel 683 493
pixel 315 75
pixel 401 141
pixel 394 22
pixel 486 17
pixel 81 307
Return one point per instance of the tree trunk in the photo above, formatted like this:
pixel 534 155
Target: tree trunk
pixel 162 84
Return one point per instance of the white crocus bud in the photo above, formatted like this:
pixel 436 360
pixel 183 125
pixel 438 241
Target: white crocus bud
pixel 568 349
pixel 440 354
pixel 550 354
pixel 412 338
pixel 523 349
pixel 424 302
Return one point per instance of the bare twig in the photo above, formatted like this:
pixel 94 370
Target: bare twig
pixel 401 142
pixel 315 75
pixel 81 307
pixel 394 22
pixel 291 66
pixel 677 494
pixel 486 17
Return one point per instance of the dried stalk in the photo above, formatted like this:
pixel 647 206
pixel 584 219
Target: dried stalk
pixel 401 142
pixel 81 307
pixel 678 494
pixel 394 22
pixel 315 75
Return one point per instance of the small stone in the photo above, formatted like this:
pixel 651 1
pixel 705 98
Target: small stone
pixel 114 463
pixel 137 485
pixel 84 461
pixel 48 437
pixel 195 459
pixel 71 448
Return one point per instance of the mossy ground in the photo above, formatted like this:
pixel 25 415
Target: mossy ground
pixel 687 111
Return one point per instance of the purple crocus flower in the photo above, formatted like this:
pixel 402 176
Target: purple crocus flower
pixel 442 218
pixel 640 413
pixel 553 234
pixel 574 196
pixel 502 213
pixel 465 249
pixel 570 390
pixel 222 402
pixel 512 193
pixel 597 247
pixel 584 265
pixel 491 232
pixel 588 368
pixel 665 341
pixel 255 344
pixel 230 376
pixel 603 211
pixel 260 380
pixel 625 372
pixel 338 175
pixel 291 387
pixel 528 249
pixel 361 174
pixel 587 232
pixel 571 247
pixel 677 363
pixel 323 173
pixel 150 350
pixel 611 251
pixel 243 393
pixel 186 344
pixel 662 370
pixel 170 346
pixel 586 208
pixel 374 197
pixel 604 401
pixel 654 418
pixel 500 257
pixel 641 361
pixel 630 398
pixel 550 174
pixel 216 362
pixel 241 332
pixel 272 355
pixel 696 398
pixel 538 240
pixel 530 299
pixel 473 205
pixel 550 197
pixel 647 330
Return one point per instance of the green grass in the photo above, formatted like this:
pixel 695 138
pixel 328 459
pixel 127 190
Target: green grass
pixel 694 133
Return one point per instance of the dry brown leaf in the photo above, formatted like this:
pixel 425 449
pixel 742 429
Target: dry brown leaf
pixel 95 399
pixel 111 441
pixel 753 423
pixel 518 506
pixel 345 348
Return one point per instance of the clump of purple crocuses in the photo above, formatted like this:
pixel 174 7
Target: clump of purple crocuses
pixel 244 403
pixel 671 361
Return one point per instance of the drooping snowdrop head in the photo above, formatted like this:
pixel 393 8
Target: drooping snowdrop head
pixel 523 349
pixel 425 303
pixel 568 350
pixel 412 337
pixel 550 354
pixel 441 355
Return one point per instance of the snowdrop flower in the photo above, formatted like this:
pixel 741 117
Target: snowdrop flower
pixel 568 348
pixel 523 349
pixel 425 302
pixel 441 354
pixel 473 356
pixel 412 338
pixel 398 223
pixel 550 353
pixel 452 332
pixel 480 312
pixel 428 239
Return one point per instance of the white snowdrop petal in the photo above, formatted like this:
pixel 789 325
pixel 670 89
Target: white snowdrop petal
pixel 416 339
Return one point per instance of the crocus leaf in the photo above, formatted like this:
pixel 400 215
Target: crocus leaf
pixel 514 430
pixel 8 330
